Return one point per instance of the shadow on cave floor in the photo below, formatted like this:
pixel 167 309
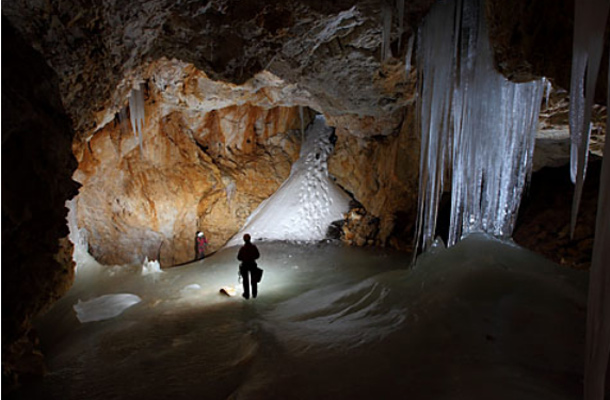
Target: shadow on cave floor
pixel 479 320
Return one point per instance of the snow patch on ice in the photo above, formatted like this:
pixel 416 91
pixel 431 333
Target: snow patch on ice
pixel 104 307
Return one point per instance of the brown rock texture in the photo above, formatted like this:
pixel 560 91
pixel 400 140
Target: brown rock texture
pixel 37 166
pixel 201 169
pixel 381 173
pixel 330 49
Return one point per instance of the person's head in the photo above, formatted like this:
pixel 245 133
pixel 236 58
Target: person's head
pixel 199 234
pixel 247 238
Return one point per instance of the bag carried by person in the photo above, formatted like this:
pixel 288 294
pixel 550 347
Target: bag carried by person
pixel 257 274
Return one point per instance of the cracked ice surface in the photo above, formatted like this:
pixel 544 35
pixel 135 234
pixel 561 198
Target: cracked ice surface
pixel 307 202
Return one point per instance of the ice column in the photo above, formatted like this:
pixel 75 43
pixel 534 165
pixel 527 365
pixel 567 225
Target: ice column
pixel 589 31
pixel 136 109
pixel 597 350
pixel 474 123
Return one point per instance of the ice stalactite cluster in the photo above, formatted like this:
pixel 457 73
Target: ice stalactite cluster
pixel 308 202
pixel 475 125
pixel 136 110
pixel 589 33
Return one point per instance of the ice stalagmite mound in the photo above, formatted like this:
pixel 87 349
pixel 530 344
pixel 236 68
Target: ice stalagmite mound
pixel 306 204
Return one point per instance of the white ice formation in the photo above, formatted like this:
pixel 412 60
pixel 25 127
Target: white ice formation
pixel 589 34
pixel 307 202
pixel 136 110
pixel 104 307
pixel 79 239
pixel 476 125
pixel 151 267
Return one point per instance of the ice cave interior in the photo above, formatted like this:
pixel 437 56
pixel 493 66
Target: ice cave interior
pixel 425 182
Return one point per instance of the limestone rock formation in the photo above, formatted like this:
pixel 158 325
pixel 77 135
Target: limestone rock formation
pixel 330 49
pixel 211 153
pixel 381 173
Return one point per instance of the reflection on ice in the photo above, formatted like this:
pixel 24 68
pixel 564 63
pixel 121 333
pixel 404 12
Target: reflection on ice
pixel 482 319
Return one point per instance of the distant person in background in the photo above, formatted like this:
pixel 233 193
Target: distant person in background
pixel 201 244
pixel 249 271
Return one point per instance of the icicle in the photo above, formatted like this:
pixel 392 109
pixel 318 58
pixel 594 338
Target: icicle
pixel 589 32
pixel 136 109
pixel 400 5
pixel 302 124
pixel 548 87
pixel 409 54
pixel 597 350
pixel 386 12
pixel 468 119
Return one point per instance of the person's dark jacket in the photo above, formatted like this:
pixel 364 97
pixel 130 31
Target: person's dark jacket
pixel 248 254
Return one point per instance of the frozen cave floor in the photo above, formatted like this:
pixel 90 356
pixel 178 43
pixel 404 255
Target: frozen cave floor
pixel 482 320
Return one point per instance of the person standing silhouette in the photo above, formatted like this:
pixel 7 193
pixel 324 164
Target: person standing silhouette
pixel 248 254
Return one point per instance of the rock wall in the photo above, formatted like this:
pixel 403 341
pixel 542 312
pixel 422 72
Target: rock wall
pixel 381 173
pixel 534 38
pixel 37 166
pixel 330 49
pixel 201 169
pixel 543 224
